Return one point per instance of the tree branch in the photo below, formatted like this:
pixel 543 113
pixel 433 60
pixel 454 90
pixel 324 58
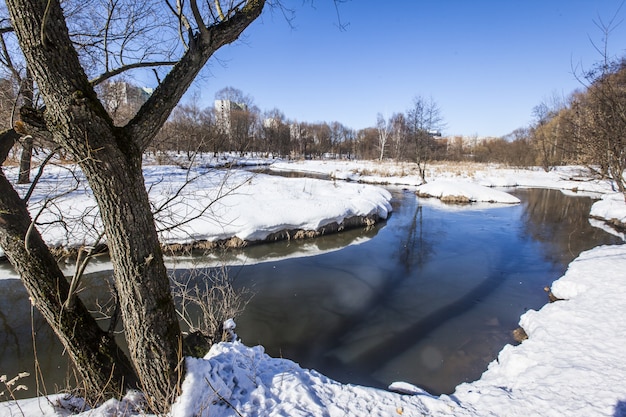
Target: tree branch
pixel 154 112
pixel 7 140
pixel 198 18
pixel 109 74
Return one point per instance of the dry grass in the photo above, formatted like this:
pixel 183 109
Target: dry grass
pixel 466 169
pixel 404 169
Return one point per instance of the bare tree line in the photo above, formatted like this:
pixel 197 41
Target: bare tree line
pixel 192 129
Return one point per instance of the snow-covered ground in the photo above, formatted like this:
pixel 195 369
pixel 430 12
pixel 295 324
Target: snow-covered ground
pixel 205 204
pixel 572 364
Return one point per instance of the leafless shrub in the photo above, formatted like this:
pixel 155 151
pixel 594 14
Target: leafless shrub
pixel 205 299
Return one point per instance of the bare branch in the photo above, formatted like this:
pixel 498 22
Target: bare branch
pixel 199 20
pixel 183 23
pixel 45 162
pixel 222 190
pixel 81 263
pixel 157 109
pixel 120 70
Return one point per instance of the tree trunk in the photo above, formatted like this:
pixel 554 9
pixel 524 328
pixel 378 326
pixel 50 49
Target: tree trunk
pixel 7 140
pixel 25 158
pixel 110 157
pixel 104 368
pixel 112 164
pixel 150 322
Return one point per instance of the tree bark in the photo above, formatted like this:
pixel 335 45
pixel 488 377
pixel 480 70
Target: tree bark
pixel 7 140
pixel 110 157
pixel 102 365
pixel 150 322
pixel 112 165
pixel 25 159
pixel 26 156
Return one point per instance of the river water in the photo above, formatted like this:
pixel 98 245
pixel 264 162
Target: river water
pixel 428 297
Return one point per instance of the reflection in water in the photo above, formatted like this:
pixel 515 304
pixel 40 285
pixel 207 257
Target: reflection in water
pixel 429 298
pixel 549 218
pixel 19 325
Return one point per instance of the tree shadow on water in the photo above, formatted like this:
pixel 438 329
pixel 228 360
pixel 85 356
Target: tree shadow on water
pixel 377 356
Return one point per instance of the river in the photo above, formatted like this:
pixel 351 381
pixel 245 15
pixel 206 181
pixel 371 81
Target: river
pixel 428 297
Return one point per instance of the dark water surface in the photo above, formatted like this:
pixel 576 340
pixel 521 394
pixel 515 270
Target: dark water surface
pixel 430 297
pixel 430 300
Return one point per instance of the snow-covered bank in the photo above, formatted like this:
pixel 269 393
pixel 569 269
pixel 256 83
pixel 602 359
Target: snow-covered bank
pixel 574 178
pixel 454 192
pixel 463 179
pixel 610 209
pixel 201 205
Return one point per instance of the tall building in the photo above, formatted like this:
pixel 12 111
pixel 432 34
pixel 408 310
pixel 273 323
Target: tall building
pixel 121 94
pixel 223 113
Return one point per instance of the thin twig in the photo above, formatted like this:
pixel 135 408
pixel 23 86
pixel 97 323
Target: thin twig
pixel 221 397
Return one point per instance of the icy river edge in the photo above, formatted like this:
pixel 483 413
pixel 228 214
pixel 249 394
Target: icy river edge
pixel 572 363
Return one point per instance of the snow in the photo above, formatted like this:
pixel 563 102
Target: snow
pixel 208 204
pixel 610 207
pixel 443 189
pixel 571 364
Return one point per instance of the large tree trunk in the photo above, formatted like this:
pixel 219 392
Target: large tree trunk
pixel 112 165
pixel 102 365
pixel 111 160
pixel 141 280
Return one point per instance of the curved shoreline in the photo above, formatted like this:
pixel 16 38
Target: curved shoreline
pixel 234 242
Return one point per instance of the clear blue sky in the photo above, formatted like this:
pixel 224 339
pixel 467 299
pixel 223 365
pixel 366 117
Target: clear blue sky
pixel 487 63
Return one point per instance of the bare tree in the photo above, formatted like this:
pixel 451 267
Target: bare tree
pixel 62 60
pixel 384 128
pixel 600 124
pixel 343 140
pixel 21 82
pixel 422 120
pixel 547 133
pixel 368 143
pixel 597 116
pixel 276 133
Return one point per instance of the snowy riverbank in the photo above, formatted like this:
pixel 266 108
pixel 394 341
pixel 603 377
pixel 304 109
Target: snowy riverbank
pixel 572 363
pixel 206 207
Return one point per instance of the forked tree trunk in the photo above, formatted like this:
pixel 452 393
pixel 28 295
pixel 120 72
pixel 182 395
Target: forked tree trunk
pixel 110 157
pixel 111 162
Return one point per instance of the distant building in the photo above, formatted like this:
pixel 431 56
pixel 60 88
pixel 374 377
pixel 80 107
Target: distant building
pixel 223 113
pixel 271 123
pixel 121 94
pixel 122 100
